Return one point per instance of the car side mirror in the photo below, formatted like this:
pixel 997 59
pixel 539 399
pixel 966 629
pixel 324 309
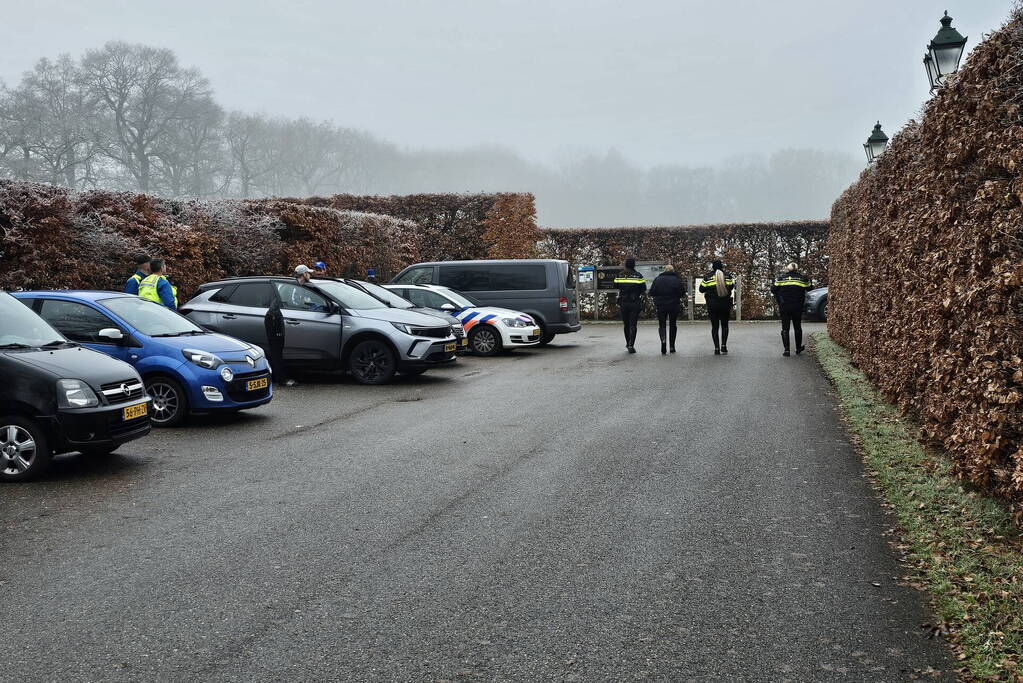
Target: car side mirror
pixel 448 307
pixel 333 308
pixel 112 334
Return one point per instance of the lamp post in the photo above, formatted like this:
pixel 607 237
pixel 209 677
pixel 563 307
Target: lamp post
pixel 875 144
pixel 944 53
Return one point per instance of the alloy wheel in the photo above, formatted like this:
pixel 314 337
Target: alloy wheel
pixel 17 449
pixel 166 402
pixel 484 341
pixel 372 362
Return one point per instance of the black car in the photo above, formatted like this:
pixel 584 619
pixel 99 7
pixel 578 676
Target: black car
pixel 816 305
pixel 58 397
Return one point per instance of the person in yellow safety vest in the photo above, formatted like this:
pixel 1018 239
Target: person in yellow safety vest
pixel 141 271
pixel 157 288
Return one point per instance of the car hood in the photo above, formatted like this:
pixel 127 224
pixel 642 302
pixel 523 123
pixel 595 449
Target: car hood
pixel 211 342
pixel 92 367
pixel 402 315
pixel 492 310
pixel 443 315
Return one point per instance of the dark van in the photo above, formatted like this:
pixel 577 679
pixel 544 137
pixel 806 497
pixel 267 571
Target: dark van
pixel 58 397
pixel 543 288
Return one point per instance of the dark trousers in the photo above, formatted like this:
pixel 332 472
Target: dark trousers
pixel 719 319
pixel 664 317
pixel 280 375
pixel 795 318
pixel 630 322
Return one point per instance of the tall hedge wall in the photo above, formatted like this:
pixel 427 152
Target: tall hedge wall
pixel 927 267
pixel 754 250
pixel 456 226
pixel 51 237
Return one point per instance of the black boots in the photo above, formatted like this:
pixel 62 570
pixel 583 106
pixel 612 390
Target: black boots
pixel 800 349
pixel 724 349
pixel 664 348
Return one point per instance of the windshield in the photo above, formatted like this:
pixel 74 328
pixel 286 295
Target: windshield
pixel 386 295
pixel 19 326
pixel 150 318
pixel 348 296
pixel 459 298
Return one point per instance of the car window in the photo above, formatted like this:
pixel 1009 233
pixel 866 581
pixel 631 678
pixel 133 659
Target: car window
pixel 223 295
pixel 20 325
pixel 349 296
pixel 517 277
pixel 422 275
pixel 395 299
pixel 296 298
pixel 149 317
pixel 460 299
pixel 465 278
pixel 77 322
pixel 252 294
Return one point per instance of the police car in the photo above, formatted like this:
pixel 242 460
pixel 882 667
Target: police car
pixel 490 329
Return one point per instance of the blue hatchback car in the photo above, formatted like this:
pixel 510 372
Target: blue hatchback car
pixel 185 368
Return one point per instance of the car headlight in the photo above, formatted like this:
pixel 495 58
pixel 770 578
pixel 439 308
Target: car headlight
pixel 204 359
pixel 74 393
pixel 515 322
pixel 402 327
pixel 227 373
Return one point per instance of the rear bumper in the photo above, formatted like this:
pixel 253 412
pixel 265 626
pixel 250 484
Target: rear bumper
pixel 564 328
pixel 98 427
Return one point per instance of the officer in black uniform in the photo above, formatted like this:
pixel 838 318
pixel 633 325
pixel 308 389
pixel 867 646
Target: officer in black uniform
pixel 789 291
pixel 631 288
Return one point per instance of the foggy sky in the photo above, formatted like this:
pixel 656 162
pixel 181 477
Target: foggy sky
pixel 662 81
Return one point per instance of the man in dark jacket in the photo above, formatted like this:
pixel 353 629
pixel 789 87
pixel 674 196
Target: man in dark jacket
pixel 789 291
pixel 273 321
pixel 631 288
pixel 667 291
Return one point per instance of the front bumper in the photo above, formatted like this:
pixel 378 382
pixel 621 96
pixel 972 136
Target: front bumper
pixel 98 427
pixel 207 390
pixel 427 352
pixel 520 336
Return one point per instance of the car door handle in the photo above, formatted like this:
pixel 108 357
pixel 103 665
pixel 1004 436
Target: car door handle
pixel 230 316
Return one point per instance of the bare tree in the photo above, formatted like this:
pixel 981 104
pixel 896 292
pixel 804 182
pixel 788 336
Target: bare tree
pixel 190 156
pixel 144 95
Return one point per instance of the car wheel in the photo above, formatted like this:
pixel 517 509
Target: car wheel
pixel 485 340
pixel 23 450
pixel 372 362
pixel 170 404
pixel 822 310
pixel 546 337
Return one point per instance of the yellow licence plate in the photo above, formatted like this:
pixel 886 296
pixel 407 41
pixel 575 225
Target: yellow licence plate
pixel 465 341
pixel 256 384
pixel 448 348
pixel 136 411
pixel 536 331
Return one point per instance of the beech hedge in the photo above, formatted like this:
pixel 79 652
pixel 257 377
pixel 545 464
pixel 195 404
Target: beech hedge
pixel 927 268
pixel 756 251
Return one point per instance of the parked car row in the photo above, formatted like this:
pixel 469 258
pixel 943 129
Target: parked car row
pixel 89 371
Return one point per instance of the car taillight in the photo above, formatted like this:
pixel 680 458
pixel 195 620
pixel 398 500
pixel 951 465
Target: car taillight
pixel 564 303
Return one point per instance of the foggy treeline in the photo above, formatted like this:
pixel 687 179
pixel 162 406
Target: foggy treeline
pixel 131 117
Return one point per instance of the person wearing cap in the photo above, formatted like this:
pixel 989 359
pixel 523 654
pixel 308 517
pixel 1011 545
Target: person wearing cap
pixel 303 274
pixel 371 276
pixel 321 268
pixel 141 272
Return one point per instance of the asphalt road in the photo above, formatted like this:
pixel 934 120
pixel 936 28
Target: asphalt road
pixel 571 513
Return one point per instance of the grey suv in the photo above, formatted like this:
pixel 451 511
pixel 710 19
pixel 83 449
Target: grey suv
pixel 542 288
pixel 330 324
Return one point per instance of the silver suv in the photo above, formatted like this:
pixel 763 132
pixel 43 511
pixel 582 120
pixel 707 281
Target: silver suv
pixel 330 324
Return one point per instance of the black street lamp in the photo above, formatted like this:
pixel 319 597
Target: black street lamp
pixel 875 144
pixel 944 53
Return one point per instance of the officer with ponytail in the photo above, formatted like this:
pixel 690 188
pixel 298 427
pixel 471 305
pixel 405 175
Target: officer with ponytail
pixel 717 287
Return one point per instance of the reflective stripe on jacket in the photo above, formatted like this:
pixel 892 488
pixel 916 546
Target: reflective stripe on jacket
pixel 709 287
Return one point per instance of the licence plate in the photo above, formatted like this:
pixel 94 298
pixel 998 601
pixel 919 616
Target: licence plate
pixel 465 341
pixel 536 331
pixel 256 384
pixel 448 348
pixel 136 411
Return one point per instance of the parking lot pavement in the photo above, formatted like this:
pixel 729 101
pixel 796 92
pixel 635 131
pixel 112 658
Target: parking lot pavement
pixel 569 513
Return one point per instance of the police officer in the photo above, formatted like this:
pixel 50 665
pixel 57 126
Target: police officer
pixel 141 271
pixel 631 288
pixel 156 287
pixel 717 287
pixel 789 291
pixel 667 291
pixel 273 323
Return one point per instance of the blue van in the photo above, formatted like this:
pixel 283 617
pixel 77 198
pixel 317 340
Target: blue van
pixel 185 368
